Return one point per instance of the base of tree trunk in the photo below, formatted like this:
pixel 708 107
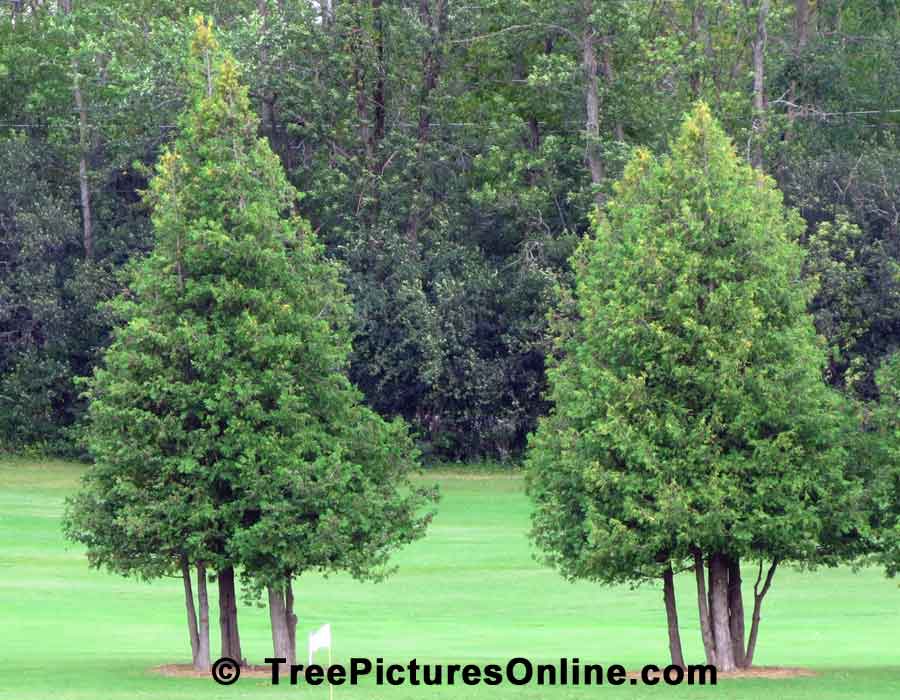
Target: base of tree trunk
pixel 672 618
pixel 721 628
pixel 283 622
pixel 228 620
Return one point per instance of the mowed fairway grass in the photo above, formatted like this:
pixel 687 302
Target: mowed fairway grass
pixel 469 592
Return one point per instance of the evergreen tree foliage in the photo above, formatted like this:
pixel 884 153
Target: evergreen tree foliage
pixel 886 460
pixel 222 421
pixel 689 412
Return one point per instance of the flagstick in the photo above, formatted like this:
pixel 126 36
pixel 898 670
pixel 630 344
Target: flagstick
pixel 330 687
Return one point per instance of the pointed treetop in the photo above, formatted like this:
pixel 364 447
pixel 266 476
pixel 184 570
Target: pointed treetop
pixel 204 39
pixel 203 43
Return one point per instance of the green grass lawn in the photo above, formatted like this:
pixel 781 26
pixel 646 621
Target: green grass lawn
pixel 470 591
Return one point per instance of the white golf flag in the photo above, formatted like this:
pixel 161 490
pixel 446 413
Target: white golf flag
pixel 320 639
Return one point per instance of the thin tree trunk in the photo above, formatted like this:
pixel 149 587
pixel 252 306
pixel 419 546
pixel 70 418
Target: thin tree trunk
pixel 709 600
pixel 758 596
pixel 432 19
pixel 228 620
pixel 709 645
pixel 609 75
pixel 362 108
pixel 759 95
pixel 736 611
pixel 697 21
pixel 378 96
pixel 87 224
pixel 283 622
pixel 327 9
pixel 801 36
pixel 277 621
pixel 672 617
pixel 291 618
pixel 718 569
pixel 376 135
pixel 267 109
pixel 203 657
pixel 191 610
pixel 592 103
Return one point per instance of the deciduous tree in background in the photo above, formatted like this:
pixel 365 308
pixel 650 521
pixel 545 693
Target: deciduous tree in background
pixel 691 423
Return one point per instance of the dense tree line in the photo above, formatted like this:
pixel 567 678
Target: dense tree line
pixel 449 156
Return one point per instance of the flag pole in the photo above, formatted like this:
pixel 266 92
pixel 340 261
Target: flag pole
pixel 330 686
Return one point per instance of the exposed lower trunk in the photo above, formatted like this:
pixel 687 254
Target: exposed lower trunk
pixel 736 611
pixel 718 583
pixel 672 617
pixel 283 622
pixel 202 662
pixel 709 645
pixel 191 610
pixel 709 601
pixel 758 596
pixel 228 621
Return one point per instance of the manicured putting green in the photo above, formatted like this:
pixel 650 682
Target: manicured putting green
pixel 470 591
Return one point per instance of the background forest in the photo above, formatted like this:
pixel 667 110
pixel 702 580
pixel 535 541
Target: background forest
pixel 450 155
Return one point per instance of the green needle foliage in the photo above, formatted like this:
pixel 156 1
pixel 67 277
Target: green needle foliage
pixel 223 425
pixel 690 416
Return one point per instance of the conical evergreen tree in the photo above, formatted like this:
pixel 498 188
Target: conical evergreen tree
pixel 691 424
pixel 224 428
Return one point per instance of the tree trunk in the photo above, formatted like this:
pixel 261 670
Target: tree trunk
pixel 291 617
pixel 202 662
pixel 592 103
pixel 801 36
pixel 672 617
pixel 718 581
pixel 697 20
pixel 378 97
pixel 758 596
pixel 278 622
pixel 709 600
pixel 432 21
pixel 267 99
pixel 709 645
pixel 609 75
pixel 759 95
pixel 327 9
pixel 283 622
pixel 87 223
pixel 736 611
pixel 191 610
pixel 228 621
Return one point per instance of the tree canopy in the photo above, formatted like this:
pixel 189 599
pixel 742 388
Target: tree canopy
pixel 223 424
pixel 690 417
